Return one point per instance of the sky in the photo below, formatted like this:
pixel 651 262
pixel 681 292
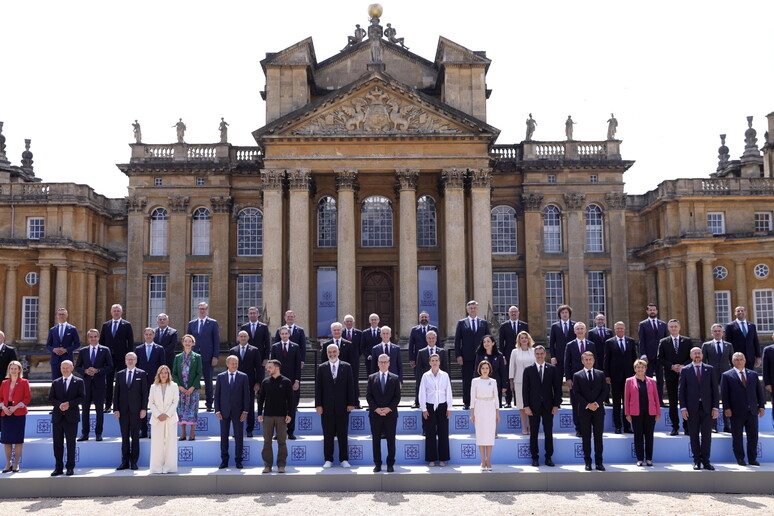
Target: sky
pixel 75 75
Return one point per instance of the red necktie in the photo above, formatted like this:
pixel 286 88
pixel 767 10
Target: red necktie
pixel 744 380
pixel 285 350
pixel 698 373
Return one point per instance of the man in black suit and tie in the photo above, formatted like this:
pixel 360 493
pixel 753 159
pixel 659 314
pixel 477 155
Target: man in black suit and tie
pixel 62 340
pixel 383 396
pixel 297 334
pixel 423 355
pixel 206 331
pixel 95 366
pixel 355 336
pixel 347 351
pixel 117 334
pixel 250 363
pixel 561 333
pixel 468 335
pixel 391 350
pixel 371 337
pixel 150 356
pixel 698 393
pixel 674 352
pixel 590 390
pixel 65 394
pixel 599 334
pixel 573 362
pixel 260 337
pixel 649 333
pixel 542 393
pixel 334 399
pixel 620 354
pixel 131 406
pixel 417 341
pixel 717 353
pixel 232 398
pixel 7 355
pixel 506 338
pixel 166 337
pixel 743 335
pixel 289 355
pixel 744 403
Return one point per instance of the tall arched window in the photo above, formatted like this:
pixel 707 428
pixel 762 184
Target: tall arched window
pixel 594 229
pixel 503 230
pixel 552 229
pixel 326 222
pixel 200 232
pixel 376 222
pixel 426 222
pixel 250 232
pixel 158 232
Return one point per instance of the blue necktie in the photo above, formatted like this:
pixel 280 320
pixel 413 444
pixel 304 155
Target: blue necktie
pixel 115 327
pixel 242 351
pixel 147 353
pixel 93 355
pixel 384 382
pixel 744 329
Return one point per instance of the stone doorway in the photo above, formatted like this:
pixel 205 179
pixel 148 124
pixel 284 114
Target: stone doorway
pixel 377 296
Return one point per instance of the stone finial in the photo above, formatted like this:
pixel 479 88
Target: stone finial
pixel 407 177
pixel 346 178
pixel 27 155
pixel 532 202
pixel 453 177
pixel 3 157
pixel 574 201
pixel 178 203
pixel 480 177
pixel 750 141
pixel 723 154
pixel 272 178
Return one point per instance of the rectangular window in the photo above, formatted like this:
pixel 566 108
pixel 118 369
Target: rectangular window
pixel 763 221
pixel 593 178
pixel 723 306
pixel 551 178
pixel 763 304
pixel 29 320
pixel 716 223
pixel 36 228
pixel 157 181
pixel 596 289
pixel 505 293
pixel 554 296
pixel 199 181
pixel 200 292
pixel 249 292
pixel 157 297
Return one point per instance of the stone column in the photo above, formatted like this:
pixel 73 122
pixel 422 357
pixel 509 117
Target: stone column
pixel 77 308
pixel 692 293
pixel 300 180
pixel 136 245
pixel 346 232
pixel 532 305
pixel 60 295
pixel 273 255
pixel 102 309
pixel 91 300
pixel 741 285
pixel 663 291
pixel 44 302
pixel 676 295
pixel 616 229
pixel 219 236
pixel 708 281
pixel 409 304
pixel 11 276
pixel 481 216
pixel 179 282
pixel 577 296
pixel 454 246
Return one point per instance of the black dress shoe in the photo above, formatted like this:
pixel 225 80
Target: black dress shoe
pixel 56 472
pixel 549 463
pixel 390 469
pixel 292 437
pixel 134 467
pixel 709 466
pixel 249 434
pixel 377 468
pixel 99 437
pixel 578 434
pixel 465 407
pixel 741 462
pixel 144 435
pixel 628 430
pixel 83 438
pixel 588 467
pixel 674 431
pixel 600 467
pixel 210 409
pixel 754 463
pixel 239 465
pixel 535 463
pixel 223 465
pixel 618 431
pixel 696 466
pixel 70 472
pixel 123 466
pixel 415 405
pixel 685 432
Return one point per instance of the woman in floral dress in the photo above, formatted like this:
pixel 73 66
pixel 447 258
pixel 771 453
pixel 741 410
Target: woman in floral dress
pixel 187 374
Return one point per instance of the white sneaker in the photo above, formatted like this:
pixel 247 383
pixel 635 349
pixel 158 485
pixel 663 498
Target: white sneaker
pixel 327 464
pixel 345 464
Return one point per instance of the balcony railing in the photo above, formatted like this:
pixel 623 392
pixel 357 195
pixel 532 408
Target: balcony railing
pixel 572 150
pixel 190 152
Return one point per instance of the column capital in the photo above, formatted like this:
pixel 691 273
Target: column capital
pixel 10 267
pixel 574 201
pixel 616 200
pixel 61 267
pixel 453 178
pixel 346 179
pixel 178 203
pixel 135 203
pixel 708 261
pixel 480 177
pixel 532 202
pixel 300 178
pixel 407 177
pixel 220 203
pixel 272 178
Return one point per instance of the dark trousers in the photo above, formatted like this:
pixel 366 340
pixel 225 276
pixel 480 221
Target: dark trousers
pixel 356 377
pixel 617 387
pixel 749 424
pixel 250 422
pixel 592 421
pixel 672 383
pixel 656 369
pixel 574 405
pixel 383 424
pixel 238 426
pixel 467 369
pixel 96 396
pixel 130 429
pixel 335 428
pixel 700 430
pixel 436 433
pixel 418 380
pixel 118 364
pixel 64 430
pixel 508 394
pixel 292 424
pixel 207 378
pixel 270 424
pixel 547 418
pixel 643 436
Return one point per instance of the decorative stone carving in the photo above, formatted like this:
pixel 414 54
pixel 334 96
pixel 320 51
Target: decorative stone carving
pixel 612 127
pixel 532 202
pixel 242 205
pixel 574 201
pixel 723 154
pixel 135 204
pixel 357 38
pixel 568 128
pixel 453 177
pixel 480 177
pixel 531 125
pixel 390 34
pixel 300 178
pixel 137 132
pixel 750 141
pixel 178 203
pixel 220 203
pixel 616 201
pixel 346 178
pixel 407 177
pixel 26 161
pixel 272 178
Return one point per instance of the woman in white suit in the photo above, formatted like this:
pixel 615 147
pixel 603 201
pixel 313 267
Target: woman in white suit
pixel 162 403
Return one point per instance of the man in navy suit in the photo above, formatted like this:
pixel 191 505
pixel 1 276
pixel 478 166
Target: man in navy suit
pixel 599 334
pixel 297 334
pixel 355 336
pixel 62 340
pixel 259 337
pixel 250 363
pixel 383 396
pixel 417 341
pixel 131 406
pixel 620 354
pixel 207 334
pixel 542 393
pixel 423 355
pixel 768 368
pixel 674 352
pixel 468 335
pixel 561 333
pixel 150 356
pixel 166 337
pixel 743 335
pixel 573 362
pixel 232 399
pixel 649 333
pixel 744 403
pixel 347 351
pixel 65 394
pixel 94 365
pixel 590 391
pixel 506 342
pixel 289 355
pixel 391 350
pixel 118 336
pixel 371 337
pixel 698 393
pixel 334 399
pixel 717 353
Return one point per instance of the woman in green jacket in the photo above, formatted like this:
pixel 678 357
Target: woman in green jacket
pixel 187 374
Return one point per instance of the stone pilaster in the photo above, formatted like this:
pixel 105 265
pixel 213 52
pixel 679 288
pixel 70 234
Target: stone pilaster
pixel 454 246
pixel 135 302
pixel 692 293
pixel 481 217
pixel 102 309
pixel 346 269
pixel 219 283
pixel 676 295
pixel 618 298
pixel 44 302
pixel 60 294
pixel 532 305
pixel 576 296
pixel 741 298
pixel 89 319
pixel 11 277
pixel 178 283
pixel 298 245
pixel 708 289
pixel 663 290
pixel 409 303
pixel 273 255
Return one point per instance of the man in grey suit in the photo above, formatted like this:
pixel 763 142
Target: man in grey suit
pixel 232 402
pixel 717 353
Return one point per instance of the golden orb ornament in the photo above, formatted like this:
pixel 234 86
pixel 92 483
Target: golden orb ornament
pixel 375 10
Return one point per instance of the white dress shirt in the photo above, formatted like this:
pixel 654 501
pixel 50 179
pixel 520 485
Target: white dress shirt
pixel 435 389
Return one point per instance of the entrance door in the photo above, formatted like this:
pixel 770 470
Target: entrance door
pixel 377 296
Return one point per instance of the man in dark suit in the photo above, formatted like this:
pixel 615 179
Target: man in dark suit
pixel 347 351
pixel 560 334
pixel 166 337
pixel 744 403
pixel 7 355
pixel 371 337
pixel 62 340
pixel 355 336
pixel 423 355
pixel 297 334
pixel 391 350
pixel 334 399
pixel 542 393
pixel 620 354
pixel 698 393
pixel 590 391
pixel 150 356
pixel 65 394
pixel 250 363
pixel 717 353
pixel 95 366
pixel 468 335
pixel 599 334
pixel 232 397
pixel 207 334
pixel 117 334
pixel 131 406
pixel 674 352
pixel 260 337
pixel 289 355
pixel 383 396
pixel 649 333
pixel 768 369
pixel 573 362
pixel 506 341
pixel 417 341
pixel 743 335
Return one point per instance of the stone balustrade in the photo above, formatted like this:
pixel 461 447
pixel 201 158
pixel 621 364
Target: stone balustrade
pixel 193 152
pixel 704 187
pixel 65 193
pixel 571 150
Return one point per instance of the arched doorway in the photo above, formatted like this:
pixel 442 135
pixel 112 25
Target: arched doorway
pixel 377 296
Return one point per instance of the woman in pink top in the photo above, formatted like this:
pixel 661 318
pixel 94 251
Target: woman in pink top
pixel 642 409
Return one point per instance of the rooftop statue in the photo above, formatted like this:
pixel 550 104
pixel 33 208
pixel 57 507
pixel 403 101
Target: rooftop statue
pixel 612 127
pixel 180 126
pixel 137 132
pixel 531 124
pixel 223 127
pixel 390 32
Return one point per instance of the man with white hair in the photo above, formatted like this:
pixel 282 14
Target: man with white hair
pixel 573 362
pixel 130 398
pixel 66 394
pixel 385 347
pixel 334 399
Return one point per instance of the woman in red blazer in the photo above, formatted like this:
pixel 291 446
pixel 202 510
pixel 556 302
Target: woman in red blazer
pixel 15 395
pixel 642 409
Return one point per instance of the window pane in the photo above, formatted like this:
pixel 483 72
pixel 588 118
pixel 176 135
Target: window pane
pixel 376 222
pixel 554 296
pixel 715 223
pixel 723 306
pixel 158 232
pixel 200 292
pixel 249 292
pixel 426 222
pixel 552 230
pixel 326 222
pixel 36 228
pixel 250 232
pixel 763 301
pixel 157 298
pixel 29 318
pixel 763 221
pixel 503 230
pixel 596 286
pixel 505 293
pixel 200 232
pixel 594 233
